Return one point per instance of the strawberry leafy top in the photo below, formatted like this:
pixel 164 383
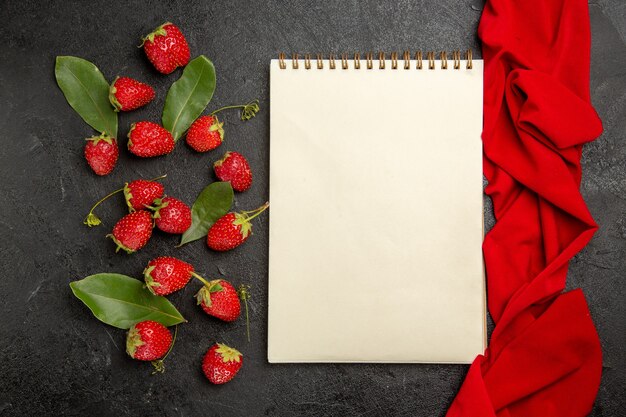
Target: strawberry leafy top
pixel 204 295
pixel 133 341
pixel 242 219
pixel 160 31
pixel 228 354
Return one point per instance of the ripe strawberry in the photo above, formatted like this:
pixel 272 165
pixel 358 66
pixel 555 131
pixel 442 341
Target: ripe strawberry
pixel 166 48
pixel 141 193
pixel 219 299
pixel 172 215
pixel 101 153
pixel 127 94
pixel 148 341
pixel 165 275
pixel 234 167
pixel 232 229
pixel 132 231
pixel 205 134
pixel 147 139
pixel 221 363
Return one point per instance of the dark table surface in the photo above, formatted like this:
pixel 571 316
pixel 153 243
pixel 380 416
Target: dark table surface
pixel 56 359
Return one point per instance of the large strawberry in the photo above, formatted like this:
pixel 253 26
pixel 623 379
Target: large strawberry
pixel 234 167
pixel 205 134
pixel 165 275
pixel 221 363
pixel 232 229
pixel 101 153
pixel 172 215
pixel 127 94
pixel 138 194
pixel 166 48
pixel 132 231
pixel 142 193
pixel 148 341
pixel 219 299
pixel 147 139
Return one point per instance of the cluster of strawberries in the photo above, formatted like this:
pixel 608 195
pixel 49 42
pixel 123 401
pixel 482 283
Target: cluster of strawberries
pixel 148 208
pixel 151 341
pixel 167 49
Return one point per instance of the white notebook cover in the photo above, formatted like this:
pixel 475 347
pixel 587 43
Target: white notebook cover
pixel 376 220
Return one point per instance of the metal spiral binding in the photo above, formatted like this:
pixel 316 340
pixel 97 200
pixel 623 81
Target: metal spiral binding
pixel 369 60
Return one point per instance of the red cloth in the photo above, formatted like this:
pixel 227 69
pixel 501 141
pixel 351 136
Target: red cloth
pixel 544 357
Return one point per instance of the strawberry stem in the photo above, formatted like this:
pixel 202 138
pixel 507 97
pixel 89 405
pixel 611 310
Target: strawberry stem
pixel 256 211
pixel 93 220
pixel 204 281
pixel 244 295
pixel 249 110
pixel 159 366
pixel 158 178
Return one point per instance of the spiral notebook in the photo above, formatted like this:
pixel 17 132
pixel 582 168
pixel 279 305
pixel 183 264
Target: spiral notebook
pixel 376 223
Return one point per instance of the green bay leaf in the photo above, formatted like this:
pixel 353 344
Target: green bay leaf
pixel 122 301
pixel 212 203
pixel 188 96
pixel 87 91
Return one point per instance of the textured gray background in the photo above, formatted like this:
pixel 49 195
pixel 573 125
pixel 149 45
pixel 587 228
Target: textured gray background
pixel 57 359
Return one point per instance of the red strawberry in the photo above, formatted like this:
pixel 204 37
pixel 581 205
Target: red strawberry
pixel 166 48
pixel 232 229
pixel 205 134
pixel 147 139
pixel 165 275
pixel 221 363
pixel 127 94
pixel 142 193
pixel 234 167
pixel 148 341
pixel 132 231
pixel 172 215
pixel 219 299
pixel 101 154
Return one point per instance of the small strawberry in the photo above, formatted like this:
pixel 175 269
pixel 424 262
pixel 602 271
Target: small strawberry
pixel 148 341
pixel 142 193
pixel 165 275
pixel 218 298
pixel 232 229
pixel 132 231
pixel 147 139
pixel 101 153
pixel 234 167
pixel 221 363
pixel 166 48
pixel 205 134
pixel 126 94
pixel 172 215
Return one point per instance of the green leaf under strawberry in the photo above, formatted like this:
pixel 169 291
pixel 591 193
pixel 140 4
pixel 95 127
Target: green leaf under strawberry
pixel 122 301
pixel 87 91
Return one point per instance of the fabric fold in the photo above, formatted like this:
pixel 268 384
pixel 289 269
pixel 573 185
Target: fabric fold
pixel 544 357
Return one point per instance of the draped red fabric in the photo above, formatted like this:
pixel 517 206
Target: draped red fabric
pixel 544 357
